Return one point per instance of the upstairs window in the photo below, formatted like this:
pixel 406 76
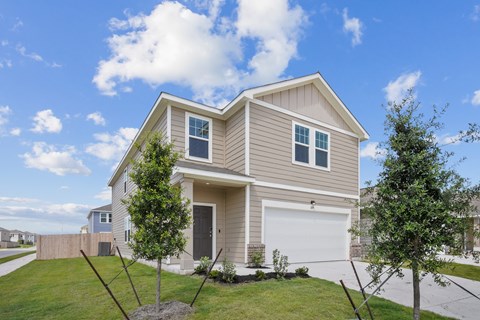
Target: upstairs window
pixel 127 226
pixel 311 147
pixel 302 144
pixel 198 138
pixel 321 149
pixel 105 217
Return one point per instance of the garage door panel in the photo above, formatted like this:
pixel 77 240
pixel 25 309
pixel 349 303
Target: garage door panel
pixel 305 236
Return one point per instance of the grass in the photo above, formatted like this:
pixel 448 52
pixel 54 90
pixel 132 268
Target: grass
pixel 15 256
pixel 462 270
pixel 68 289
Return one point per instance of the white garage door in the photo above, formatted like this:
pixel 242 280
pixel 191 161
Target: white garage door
pixel 305 236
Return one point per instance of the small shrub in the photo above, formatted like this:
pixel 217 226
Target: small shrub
pixel 228 271
pixel 214 274
pixel 260 275
pixel 280 264
pixel 202 268
pixel 302 271
pixel 256 259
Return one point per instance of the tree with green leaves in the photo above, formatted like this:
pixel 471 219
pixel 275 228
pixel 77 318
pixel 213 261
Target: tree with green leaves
pixel 158 212
pixel 419 204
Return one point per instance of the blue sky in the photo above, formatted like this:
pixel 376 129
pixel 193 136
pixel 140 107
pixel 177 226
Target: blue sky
pixel 77 79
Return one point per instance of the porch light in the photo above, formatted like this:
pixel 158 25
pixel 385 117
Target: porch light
pixel 313 203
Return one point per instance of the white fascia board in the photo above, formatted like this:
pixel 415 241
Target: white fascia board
pixel 305 190
pixel 214 176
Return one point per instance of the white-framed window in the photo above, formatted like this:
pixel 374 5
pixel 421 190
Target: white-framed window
pixel 125 179
pixel 105 217
pixel 198 137
pixel 127 226
pixel 310 146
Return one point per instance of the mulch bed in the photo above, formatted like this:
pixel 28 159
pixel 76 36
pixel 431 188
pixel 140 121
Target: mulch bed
pixel 252 278
pixel 171 310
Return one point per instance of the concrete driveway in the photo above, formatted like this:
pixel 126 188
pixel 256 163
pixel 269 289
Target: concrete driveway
pixel 450 301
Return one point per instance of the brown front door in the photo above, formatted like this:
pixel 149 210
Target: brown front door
pixel 202 232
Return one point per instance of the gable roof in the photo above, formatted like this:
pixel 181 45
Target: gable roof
pixel 165 99
pixel 105 208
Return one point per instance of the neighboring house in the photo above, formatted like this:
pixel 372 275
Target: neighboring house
pixel 470 241
pixel 4 235
pixel 30 237
pixel 276 168
pixel 84 229
pixel 17 235
pixel 100 219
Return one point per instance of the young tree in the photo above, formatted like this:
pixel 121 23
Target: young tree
pixel 158 212
pixel 419 204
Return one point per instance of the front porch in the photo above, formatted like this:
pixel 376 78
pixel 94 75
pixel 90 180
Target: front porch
pixel 218 200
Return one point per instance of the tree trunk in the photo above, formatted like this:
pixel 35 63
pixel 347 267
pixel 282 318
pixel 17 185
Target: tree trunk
pixel 159 280
pixel 416 291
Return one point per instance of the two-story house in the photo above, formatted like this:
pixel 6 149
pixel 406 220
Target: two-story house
pixel 100 219
pixel 276 168
pixel 17 235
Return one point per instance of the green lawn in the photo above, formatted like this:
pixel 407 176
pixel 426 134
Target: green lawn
pixel 463 271
pixel 68 289
pixel 6 259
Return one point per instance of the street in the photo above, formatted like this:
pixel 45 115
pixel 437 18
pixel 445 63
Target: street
pixel 10 252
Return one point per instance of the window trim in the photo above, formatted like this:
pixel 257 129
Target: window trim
pixel 311 147
pixel 108 217
pixel 187 137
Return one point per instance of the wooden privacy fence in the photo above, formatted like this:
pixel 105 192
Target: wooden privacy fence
pixel 69 245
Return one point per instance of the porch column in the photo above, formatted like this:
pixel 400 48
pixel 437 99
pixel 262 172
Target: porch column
pixel 186 260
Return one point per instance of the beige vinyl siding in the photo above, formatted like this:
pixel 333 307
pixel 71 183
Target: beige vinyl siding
pixel 218 138
pixel 161 125
pixel 203 194
pixel 308 101
pixel 119 212
pixel 271 155
pixel 257 194
pixel 235 142
pixel 235 224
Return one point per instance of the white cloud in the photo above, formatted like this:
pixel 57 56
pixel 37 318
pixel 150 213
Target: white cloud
pixel 447 139
pixel 32 55
pixel 111 147
pixel 60 162
pixel 64 187
pixel 15 132
pixel 45 121
pixel 476 98
pixel 202 51
pixel 18 24
pixel 396 89
pixel 475 15
pixel 372 151
pixel 105 194
pixel 5 63
pixel 5 112
pixel 353 26
pixel 97 118
pixel 42 217
pixel 17 200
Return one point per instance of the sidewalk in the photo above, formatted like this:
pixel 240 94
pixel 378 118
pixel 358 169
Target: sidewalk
pixel 7 267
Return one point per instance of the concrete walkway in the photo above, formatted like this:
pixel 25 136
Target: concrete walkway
pixel 449 301
pixel 10 266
